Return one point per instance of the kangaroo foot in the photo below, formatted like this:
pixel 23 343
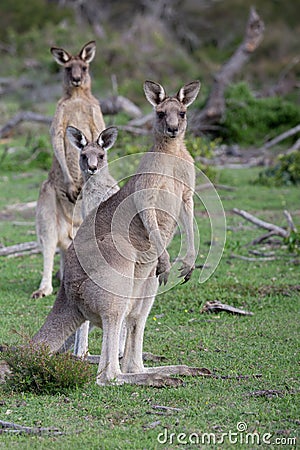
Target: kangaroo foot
pixel 42 292
pixel 147 356
pixel 143 379
pixel 178 370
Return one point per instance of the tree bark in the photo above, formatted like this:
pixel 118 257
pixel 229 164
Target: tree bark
pixel 215 107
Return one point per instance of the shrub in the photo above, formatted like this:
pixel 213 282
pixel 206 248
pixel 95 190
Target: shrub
pixel 252 121
pixel 35 370
pixel 286 171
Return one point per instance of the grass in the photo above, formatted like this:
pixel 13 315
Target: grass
pixel 255 356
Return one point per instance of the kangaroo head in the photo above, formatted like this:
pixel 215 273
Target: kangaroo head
pixel 92 154
pixel 76 68
pixel 170 112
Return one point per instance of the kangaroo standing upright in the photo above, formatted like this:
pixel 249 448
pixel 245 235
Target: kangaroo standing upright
pixel 56 224
pixel 119 254
pixel 98 186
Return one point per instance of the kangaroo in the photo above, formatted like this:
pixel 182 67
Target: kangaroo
pixel 119 256
pixel 56 223
pixel 98 186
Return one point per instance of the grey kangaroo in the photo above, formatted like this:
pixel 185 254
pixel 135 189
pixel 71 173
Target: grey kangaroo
pixel 119 255
pixel 98 186
pixel 56 223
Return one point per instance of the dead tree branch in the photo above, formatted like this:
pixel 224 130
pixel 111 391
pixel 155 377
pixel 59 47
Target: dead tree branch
pixel 115 104
pixel 215 106
pixel 275 229
pixel 109 106
pixel 19 248
pixel 281 137
pixel 23 116
pixel 217 306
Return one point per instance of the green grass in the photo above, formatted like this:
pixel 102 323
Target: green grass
pixel 248 354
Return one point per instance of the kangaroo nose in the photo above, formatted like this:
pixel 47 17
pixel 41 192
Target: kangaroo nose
pixel 76 80
pixel 172 131
pixel 92 169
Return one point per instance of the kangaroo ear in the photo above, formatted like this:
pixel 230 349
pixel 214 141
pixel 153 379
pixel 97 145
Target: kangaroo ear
pixel 154 92
pixel 76 138
pixel 107 138
pixel 60 55
pixel 188 93
pixel 88 51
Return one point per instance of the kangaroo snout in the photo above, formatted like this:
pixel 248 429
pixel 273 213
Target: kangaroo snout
pixel 76 81
pixel 92 170
pixel 172 131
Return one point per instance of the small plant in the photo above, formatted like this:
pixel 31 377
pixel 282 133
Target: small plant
pixel 35 370
pixel 200 147
pixel 293 242
pixel 286 171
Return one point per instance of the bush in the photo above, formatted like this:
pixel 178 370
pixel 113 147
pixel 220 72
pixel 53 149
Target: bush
pixel 35 370
pixel 286 171
pixel 252 121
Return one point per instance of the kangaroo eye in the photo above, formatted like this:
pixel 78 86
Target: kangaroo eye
pixel 182 114
pixel 101 156
pixel 161 114
pixel 84 69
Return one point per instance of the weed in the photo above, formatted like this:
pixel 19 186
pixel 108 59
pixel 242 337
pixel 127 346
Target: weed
pixel 35 370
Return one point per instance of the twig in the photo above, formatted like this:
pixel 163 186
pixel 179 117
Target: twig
pixel 263 255
pixel 267 393
pixel 166 408
pixel 10 427
pixel 216 306
pixel 262 238
pixel 248 258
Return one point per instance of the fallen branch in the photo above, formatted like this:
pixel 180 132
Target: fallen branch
pixel 24 247
pixel 294 147
pixel 216 306
pixel 262 224
pixel 21 207
pixel 109 106
pixel 248 258
pixel 10 427
pixel 267 393
pixel 281 137
pixel 166 408
pixel 115 104
pixel 290 221
pixel 23 116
